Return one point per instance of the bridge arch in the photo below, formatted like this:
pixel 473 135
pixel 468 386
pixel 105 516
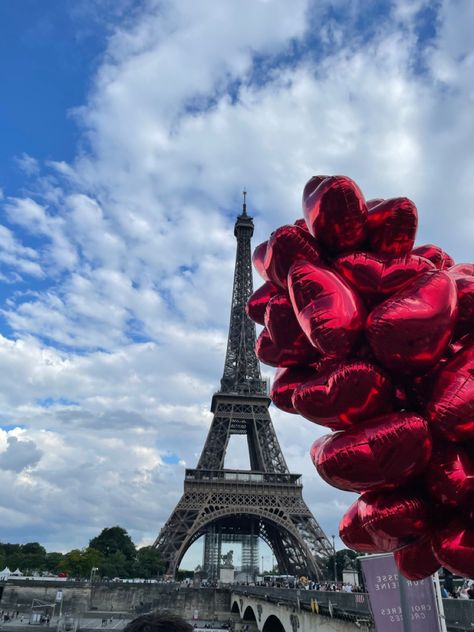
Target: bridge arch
pixel 249 614
pixel 274 517
pixel 235 608
pixel 273 624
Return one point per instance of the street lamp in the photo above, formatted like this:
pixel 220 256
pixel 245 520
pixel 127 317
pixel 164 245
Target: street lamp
pixel 334 556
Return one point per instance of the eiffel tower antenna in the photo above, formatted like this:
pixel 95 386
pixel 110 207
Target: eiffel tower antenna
pixel 243 506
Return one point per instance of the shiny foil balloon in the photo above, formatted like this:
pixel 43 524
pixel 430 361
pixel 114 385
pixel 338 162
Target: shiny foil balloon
pixel 449 477
pixel 410 331
pixel 353 534
pixel 257 303
pixel 258 258
pixel 336 214
pixel 284 384
pixel 435 254
pixel 311 186
pixel 286 245
pixel 453 546
pixel 392 225
pixel 460 343
pixel 302 224
pixel 284 329
pixel 463 268
pixel 344 394
pixel 380 453
pixel 451 408
pixel 377 276
pixel 299 353
pixel 393 518
pixel 465 290
pixel 417 561
pixel 328 310
pixel 374 202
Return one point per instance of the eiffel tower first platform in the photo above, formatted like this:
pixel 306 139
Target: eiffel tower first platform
pixel 243 505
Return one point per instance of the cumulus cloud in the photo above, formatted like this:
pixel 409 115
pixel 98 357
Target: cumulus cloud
pixel 110 362
pixel 19 455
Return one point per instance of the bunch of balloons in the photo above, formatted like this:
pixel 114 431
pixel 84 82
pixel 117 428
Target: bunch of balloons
pixel 374 339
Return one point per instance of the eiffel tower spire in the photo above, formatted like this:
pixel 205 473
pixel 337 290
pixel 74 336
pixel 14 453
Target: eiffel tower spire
pixel 241 367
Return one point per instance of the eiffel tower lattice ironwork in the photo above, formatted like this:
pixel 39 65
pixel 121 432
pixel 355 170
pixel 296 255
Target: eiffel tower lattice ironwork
pixel 242 505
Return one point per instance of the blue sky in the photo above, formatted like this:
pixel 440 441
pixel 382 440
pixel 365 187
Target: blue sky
pixel 128 132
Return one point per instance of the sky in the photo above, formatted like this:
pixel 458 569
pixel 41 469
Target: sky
pixel 129 129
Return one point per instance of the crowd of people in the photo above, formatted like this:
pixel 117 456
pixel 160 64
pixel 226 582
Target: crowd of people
pixel 466 591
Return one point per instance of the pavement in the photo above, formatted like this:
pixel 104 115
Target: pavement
pixel 85 623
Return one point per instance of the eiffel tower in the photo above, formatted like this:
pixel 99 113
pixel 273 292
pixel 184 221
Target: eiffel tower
pixel 241 506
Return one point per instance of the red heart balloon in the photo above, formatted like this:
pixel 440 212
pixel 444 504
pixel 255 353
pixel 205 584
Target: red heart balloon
pixel 374 202
pixel 353 534
pixel 435 254
pixel 411 330
pixel 377 276
pixel 392 226
pixel 417 560
pixel 284 384
pixel 257 303
pixel 394 518
pixel 300 353
pixel 336 214
pixel 328 310
pixel 463 268
pixel 302 224
pixel 460 343
pixel 286 245
pixel 284 329
pixel 258 258
pixel 465 289
pixel 450 476
pixel 311 186
pixel 381 453
pixel 453 546
pixel 451 409
pixel 344 394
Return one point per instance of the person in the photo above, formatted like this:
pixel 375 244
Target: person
pixel 163 621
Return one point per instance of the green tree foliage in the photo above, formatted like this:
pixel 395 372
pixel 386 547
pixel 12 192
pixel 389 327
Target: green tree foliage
pixel 342 558
pixel 33 557
pixel 148 563
pixel 112 552
pixel 114 540
pixel 80 562
pixel 53 562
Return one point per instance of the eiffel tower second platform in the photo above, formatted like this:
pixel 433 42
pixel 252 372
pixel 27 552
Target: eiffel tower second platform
pixel 242 505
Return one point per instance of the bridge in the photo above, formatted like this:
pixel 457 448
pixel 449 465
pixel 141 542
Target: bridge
pixel 290 610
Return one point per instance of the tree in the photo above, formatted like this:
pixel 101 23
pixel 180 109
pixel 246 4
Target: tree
pixel 148 563
pixel 116 565
pixel 53 562
pixel 114 540
pixel 79 563
pixel 33 557
pixel 342 557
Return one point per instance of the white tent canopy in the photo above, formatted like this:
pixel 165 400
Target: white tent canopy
pixel 17 573
pixel 5 573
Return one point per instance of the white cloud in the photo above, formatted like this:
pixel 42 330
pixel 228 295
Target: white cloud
pixel 112 364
